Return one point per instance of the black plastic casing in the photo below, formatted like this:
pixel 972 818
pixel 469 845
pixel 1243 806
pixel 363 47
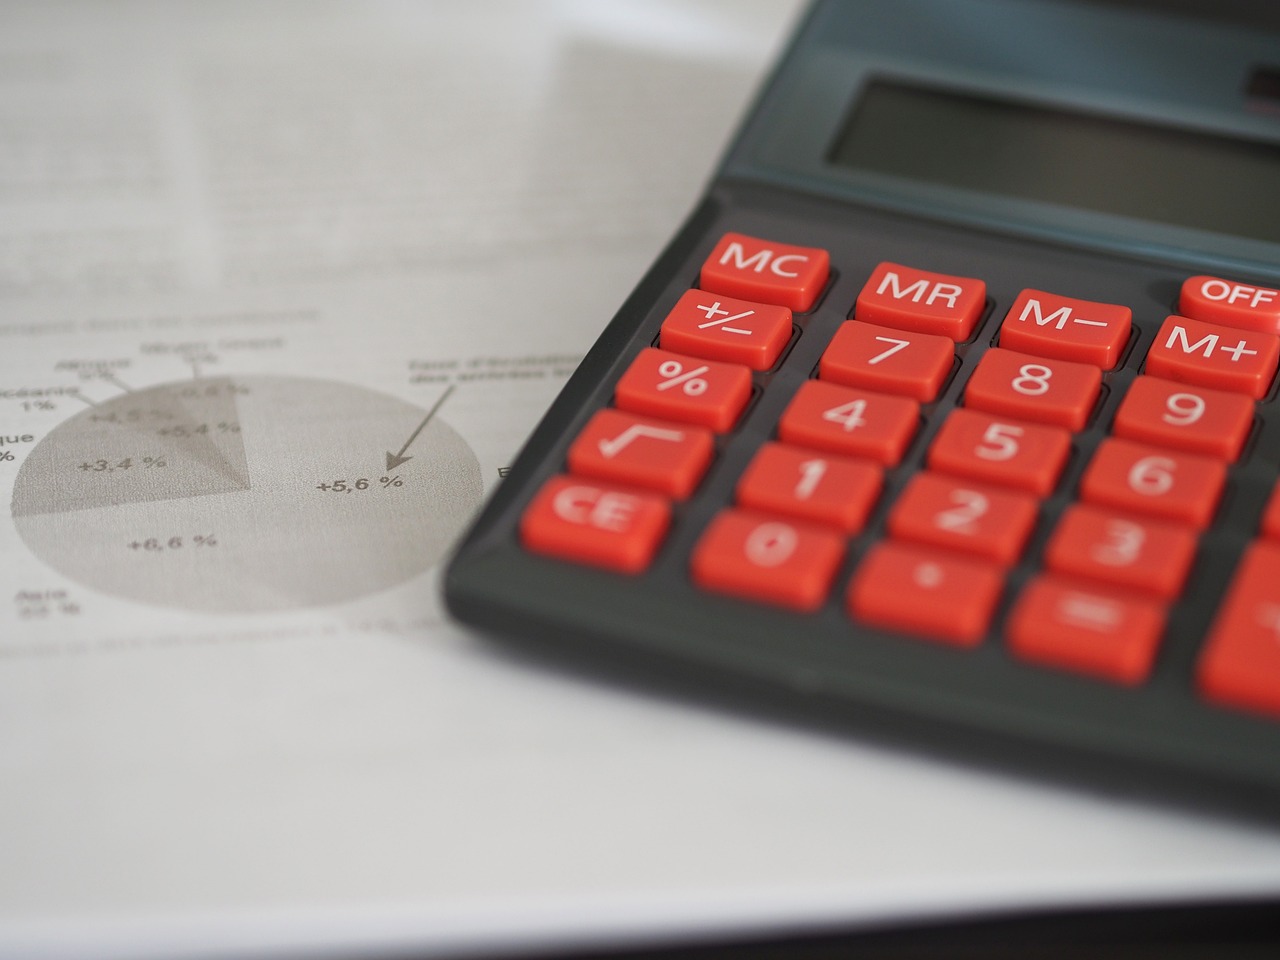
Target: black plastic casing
pixel 1160 738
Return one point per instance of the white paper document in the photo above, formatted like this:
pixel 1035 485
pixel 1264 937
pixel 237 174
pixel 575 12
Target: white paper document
pixel 282 289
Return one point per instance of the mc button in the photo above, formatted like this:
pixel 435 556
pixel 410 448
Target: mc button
pixel 765 272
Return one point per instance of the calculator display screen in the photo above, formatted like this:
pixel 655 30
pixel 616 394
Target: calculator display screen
pixel 1204 181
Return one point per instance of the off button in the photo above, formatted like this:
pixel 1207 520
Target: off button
pixel 1232 304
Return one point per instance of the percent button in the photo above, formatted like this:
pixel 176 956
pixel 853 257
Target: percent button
pixel 675 387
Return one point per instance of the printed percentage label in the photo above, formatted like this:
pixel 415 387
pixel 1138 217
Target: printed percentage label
pixel 359 485
pixel 115 466
pixel 162 544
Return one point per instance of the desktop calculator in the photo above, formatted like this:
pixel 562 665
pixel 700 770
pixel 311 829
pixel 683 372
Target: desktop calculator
pixel 950 413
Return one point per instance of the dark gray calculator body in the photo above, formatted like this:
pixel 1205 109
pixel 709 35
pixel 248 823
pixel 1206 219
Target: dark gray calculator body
pixel 950 412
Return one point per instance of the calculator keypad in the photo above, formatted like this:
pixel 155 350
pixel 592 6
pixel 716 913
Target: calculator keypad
pixel 942 511
pixel 930 594
pixel 1241 662
pixel 1195 419
pixel 1123 549
pixel 601 525
pixel 723 328
pixel 1149 480
pixel 1058 392
pixel 892 361
pixel 1085 629
pixel 1000 450
pixel 849 421
pixel 1098 591
pixel 837 491
pixel 762 558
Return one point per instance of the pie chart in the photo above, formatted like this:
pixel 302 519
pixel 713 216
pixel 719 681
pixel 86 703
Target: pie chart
pixel 247 494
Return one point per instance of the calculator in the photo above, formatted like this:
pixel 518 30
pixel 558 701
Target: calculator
pixel 950 413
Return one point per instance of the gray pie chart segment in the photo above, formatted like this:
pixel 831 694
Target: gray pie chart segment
pixel 205 495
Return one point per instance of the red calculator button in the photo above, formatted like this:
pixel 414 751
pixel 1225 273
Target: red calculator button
pixel 927 593
pixel 766 272
pixel 1159 483
pixel 1052 326
pixel 978 519
pixel 1215 300
pixel 672 386
pixel 1208 355
pixel 1123 550
pixel 838 491
pixel 1061 624
pixel 667 457
pixel 860 423
pixel 717 327
pixel 1271 516
pixel 1011 384
pixel 1240 666
pixel 1196 419
pixel 592 523
pixel 762 558
pixel 998 450
pixel 893 361
pixel 911 299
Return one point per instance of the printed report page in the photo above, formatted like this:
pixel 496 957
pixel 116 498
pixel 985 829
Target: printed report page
pixel 283 287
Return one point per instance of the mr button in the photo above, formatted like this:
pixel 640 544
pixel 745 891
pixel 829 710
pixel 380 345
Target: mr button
pixel 766 272
pixel 911 299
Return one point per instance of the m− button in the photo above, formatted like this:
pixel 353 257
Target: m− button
pixel 1054 326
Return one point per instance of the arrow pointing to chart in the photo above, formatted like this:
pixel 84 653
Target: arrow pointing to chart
pixel 395 459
